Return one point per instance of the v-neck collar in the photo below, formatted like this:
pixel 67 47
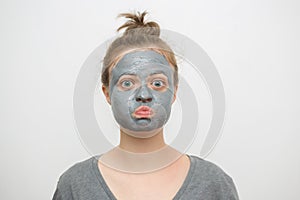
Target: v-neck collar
pixel 179 193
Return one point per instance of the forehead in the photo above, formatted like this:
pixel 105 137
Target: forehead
pixel 142 62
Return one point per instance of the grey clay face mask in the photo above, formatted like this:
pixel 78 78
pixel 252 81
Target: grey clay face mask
pixel 141 91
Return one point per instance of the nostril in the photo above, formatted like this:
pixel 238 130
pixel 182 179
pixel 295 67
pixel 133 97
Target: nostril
pixel 144 100
pixel 148 99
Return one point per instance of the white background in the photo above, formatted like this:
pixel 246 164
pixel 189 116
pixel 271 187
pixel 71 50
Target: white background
pixel 254 45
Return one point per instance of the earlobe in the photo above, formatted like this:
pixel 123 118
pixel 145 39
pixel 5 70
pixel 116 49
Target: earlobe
pixel 105 91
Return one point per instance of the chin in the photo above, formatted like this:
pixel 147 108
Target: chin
pixel 142 133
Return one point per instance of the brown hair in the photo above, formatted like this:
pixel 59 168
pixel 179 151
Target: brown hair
pixel 138 35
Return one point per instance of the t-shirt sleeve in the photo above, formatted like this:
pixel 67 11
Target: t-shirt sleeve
pixel 228 189
pixel 56 195
pixel 224 184
pixel 62 191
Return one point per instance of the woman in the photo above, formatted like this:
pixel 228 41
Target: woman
pixel 140 81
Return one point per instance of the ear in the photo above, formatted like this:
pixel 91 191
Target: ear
pixel 105 91
pixel 175 94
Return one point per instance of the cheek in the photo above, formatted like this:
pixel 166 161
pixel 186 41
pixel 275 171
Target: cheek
pixel 120 101
pixel 165 97
pixel 117 99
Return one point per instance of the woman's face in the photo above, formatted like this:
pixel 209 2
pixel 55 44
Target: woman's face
pixel 141 91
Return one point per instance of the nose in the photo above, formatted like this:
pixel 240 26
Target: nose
pixel 143 95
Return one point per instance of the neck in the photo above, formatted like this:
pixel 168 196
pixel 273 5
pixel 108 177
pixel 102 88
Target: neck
pixel 140 155
pixel 141 145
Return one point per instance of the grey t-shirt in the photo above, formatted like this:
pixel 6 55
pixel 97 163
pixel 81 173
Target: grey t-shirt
pixel 204 181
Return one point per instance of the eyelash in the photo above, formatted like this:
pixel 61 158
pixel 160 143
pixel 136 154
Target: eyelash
pixel 126 80
pixel 163 83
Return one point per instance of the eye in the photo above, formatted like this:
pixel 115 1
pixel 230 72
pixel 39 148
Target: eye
pixel 127 84
pixel 158 83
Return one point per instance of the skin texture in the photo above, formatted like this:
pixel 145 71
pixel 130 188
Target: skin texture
pixel 142 78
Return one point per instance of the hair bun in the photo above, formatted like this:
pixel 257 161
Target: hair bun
pixel 136 24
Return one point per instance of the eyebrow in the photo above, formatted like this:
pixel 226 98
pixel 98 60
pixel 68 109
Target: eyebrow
pixel 128 73
pixel 159 72
pixel 134 74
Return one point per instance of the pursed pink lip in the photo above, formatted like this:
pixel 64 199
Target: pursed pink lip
pixel 143 112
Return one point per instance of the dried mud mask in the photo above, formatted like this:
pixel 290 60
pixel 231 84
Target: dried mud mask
pixel 142 91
